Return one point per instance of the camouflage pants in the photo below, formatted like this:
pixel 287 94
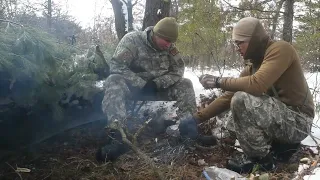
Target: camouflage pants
pixel 257 121
pixel 117 93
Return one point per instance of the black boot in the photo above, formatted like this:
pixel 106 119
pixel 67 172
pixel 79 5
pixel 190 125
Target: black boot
pixel 111 152
pixel 242 164
pixel 115 147
pixel 207 140
pixel 284 151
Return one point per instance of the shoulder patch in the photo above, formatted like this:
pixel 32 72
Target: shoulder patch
pixel 123 54
pixel 174 51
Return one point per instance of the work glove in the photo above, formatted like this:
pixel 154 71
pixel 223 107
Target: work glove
pixel 149 89
pixel 209 81
pixel 188 128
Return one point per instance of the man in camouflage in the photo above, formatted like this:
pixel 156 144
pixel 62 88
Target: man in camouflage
pixel 146 65
pixel 271 104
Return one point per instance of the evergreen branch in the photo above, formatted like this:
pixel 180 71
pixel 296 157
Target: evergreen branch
pixel 211 53
pixel 4 20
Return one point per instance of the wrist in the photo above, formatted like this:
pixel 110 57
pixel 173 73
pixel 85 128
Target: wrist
pixel 218 82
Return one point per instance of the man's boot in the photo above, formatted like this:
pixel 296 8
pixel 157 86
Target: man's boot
pixel 240 163
pixel 114 149
pixel 224 136
pixel 207 140
pixel 284 151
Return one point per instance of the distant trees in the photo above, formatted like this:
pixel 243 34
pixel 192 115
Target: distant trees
pixel 154 11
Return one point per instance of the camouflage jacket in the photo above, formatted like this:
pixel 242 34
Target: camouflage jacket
pixel 138 61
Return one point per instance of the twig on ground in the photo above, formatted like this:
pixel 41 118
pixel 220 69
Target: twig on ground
pixel 140 153
pixel 139 132
pixel 204 148
pixel 48 175
pixel 15 170
pixel 80 161
pixel 140 106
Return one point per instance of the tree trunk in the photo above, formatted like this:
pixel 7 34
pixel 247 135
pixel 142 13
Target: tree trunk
pixel 130 16
pixel 2 9
pixel 49 16
pixel 288 21
pixel 120 21
pixel 174 9
pixel 275 19
pixel 154 11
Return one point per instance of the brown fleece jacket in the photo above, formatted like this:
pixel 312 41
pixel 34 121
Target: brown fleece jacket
pixel 281 68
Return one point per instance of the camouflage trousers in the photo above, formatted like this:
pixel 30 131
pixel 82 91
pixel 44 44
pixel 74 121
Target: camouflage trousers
pixel 118 93
pixel 258 121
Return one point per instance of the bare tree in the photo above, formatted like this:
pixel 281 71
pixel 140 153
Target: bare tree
pixel 49 15
pixel 174 9
pixel 288 21
pixel 120 21
pixel 275 18
pixel 8 8
pixel 154 11
pixel 130 14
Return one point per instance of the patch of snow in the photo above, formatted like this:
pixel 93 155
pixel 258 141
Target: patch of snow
pixel 314 176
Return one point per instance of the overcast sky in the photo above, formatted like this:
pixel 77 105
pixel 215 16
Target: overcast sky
pixel 84 11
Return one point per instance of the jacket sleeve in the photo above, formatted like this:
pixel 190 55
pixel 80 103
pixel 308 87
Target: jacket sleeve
pixel 124 54
pixel 175 72
pixel 276 61
pixel 220 104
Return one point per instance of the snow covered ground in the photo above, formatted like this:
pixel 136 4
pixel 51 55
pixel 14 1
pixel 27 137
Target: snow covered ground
pixel 313 80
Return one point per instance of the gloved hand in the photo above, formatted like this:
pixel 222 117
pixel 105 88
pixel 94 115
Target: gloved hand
pixel 149 89
pixel 209 81
pixel 188 128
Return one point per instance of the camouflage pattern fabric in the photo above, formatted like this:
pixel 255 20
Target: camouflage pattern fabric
pixel 118 95
pixel 137 61
pixel 257 121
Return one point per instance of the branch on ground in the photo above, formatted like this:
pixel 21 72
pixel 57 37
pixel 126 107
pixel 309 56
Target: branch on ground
pixel 142 155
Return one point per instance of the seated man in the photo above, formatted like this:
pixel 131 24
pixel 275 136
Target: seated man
pixel 145 65
pixel 270 102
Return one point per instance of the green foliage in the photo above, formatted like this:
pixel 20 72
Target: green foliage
pixel 204 33
pixel 41 71
pixel 308 35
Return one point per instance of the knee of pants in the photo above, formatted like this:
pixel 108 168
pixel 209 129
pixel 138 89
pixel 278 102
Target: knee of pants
pixel 238 99
pixel 186 83
pixel 115 79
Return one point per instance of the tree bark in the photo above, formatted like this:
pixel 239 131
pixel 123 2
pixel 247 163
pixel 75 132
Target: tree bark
pixel 130 16
pixel 49 16
pixel 154 11
pixel 120 21
pixel 275 19
pixel 288 21
pixel 174 9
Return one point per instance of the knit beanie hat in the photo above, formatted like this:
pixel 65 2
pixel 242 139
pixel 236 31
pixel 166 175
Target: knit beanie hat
pixel 167 28
pixel 244 29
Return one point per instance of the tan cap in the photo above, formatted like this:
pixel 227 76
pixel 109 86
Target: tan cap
pixel 244 29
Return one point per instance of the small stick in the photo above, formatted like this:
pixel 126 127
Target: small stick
pixel 139 132
pixel 15 170
pixel 139 152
